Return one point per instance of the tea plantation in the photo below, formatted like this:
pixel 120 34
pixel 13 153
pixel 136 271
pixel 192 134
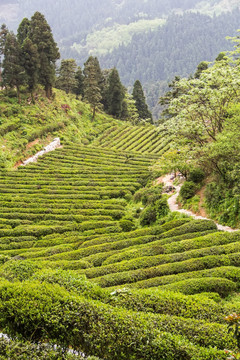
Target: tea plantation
pixel 79 269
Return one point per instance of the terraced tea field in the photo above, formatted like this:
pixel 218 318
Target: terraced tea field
pixel 141 139
pixel 77 271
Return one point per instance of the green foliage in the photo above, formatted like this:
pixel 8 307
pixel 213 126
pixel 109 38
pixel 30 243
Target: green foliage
pixel 41 36
pixel 87 332
pixel 223 287
pixel 115 94
pixel 140 102
pixel 196 175
pixel 148 216
pixel 188 190
pixel 18 350
pixel 92 80
pixel 67 75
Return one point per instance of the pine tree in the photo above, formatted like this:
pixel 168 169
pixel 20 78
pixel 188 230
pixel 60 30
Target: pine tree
pixel 79 87
pixel 3 37
pixel 92 91
pixel 41 36
pixel 30 63
pixel 67 75
pixel 115 94
pixel 138 96
pixel 13 73
pixel 23 30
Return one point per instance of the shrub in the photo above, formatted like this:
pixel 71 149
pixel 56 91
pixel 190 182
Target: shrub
pixel 162 208
pixel 221 286
pixel 188 190
pixel 18 350
pixel 18 270
pixel 148 216
pixel 196 175
pixel 126 225
pixel 99 329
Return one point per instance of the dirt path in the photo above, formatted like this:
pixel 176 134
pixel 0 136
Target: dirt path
pixel 173 205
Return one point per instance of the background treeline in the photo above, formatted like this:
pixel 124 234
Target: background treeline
pixel 192 33
pixel 174 49
pixel 29 59
pixel 75 18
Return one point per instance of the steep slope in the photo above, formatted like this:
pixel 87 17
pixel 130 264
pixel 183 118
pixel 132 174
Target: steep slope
pixel 64 213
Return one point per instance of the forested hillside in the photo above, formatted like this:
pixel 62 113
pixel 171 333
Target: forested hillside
pixel 130 34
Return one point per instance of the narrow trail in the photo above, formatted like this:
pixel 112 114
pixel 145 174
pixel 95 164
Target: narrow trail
pixel 173 205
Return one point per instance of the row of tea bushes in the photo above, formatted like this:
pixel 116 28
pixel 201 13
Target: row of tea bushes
pixel 154 300
pixel 106 331
pixel 19 350
pixel 134 138
pixel 132 276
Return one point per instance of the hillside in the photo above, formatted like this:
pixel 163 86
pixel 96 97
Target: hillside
pixel 93 264
pixel 132 35
pixel 91 256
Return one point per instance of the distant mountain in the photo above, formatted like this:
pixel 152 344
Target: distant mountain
pixel 149 40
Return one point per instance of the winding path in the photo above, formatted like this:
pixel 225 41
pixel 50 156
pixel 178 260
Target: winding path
pixel 172 203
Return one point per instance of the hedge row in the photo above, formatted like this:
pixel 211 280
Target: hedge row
pixel 18 350
pixel 228 272
pixel 42 212
pixel 154 248
pixel 98 329
pixel 93 158
pixel 63 204
pixel 206 262
pixel 38 230
pixel 154 230
pixel 163 258
pixel 153 300
pixel 221 286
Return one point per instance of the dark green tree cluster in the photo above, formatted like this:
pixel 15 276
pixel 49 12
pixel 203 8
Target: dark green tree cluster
pixel 29 57
pixel 140 101
pixel 102 89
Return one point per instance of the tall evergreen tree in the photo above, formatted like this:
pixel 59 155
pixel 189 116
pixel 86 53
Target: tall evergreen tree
pixel 30 62
pixel 92 91
pixel 23 30
pixel 138 96
pixel 79 87
pixel 41 36
pixel 115 94
pixel 13 73
pixel 67 75
pixel 3 37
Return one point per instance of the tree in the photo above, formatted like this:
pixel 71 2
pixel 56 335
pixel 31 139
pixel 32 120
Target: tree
pixel 79 87
pixel 30 63
pixel 115 94
pixel 138 96
pixel 23 30
pixel 67 75
pixel 131 113
pixel 201 67
pixel 3 37
pixel 13 72
pixel 41 36
pixel 92 91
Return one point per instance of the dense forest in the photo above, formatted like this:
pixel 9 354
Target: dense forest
pixel 174 49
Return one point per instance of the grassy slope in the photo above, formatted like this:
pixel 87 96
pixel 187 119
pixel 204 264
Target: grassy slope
pixel 25 128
